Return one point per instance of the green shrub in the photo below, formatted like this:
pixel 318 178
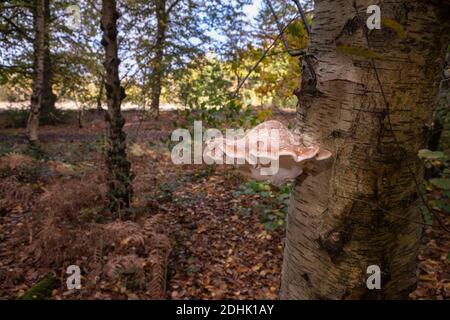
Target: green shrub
pixel 270 202
pixel 438 185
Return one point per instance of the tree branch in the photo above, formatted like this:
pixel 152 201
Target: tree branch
pixel 302 14
pixel 17 28
pixel 172 6
pixel 272 10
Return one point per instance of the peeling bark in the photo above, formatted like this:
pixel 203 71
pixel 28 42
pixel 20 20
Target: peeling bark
pixel 118 167
pixel 362 208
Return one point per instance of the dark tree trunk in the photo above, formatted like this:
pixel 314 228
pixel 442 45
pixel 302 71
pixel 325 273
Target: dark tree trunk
pixel 48 97
pixel 363 208
pixel 157 61
pixel 40 27
pixel 118 167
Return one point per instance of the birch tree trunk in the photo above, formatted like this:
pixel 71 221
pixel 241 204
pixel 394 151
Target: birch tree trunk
pixel 157 62
pixel 362 208
pixel 118 167
pixel 40 26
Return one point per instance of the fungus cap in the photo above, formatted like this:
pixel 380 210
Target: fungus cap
pixel 263 145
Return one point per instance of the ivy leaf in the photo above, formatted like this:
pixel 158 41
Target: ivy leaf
pixel 441 183
pixel 441 204
pixel 430 155
pixel 426 215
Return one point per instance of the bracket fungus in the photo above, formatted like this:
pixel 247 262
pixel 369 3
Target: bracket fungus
pixel 268 152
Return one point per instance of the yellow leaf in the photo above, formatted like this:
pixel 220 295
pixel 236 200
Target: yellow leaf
pixel 17 209
pixel 257 267
pixel 201 228
pixel 136 150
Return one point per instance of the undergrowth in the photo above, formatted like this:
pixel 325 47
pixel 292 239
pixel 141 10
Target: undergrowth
pixel 269 202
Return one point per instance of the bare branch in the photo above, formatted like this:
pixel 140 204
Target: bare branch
pixel 172 6
pixel 277 21
pixel 302 14
pixel 264 55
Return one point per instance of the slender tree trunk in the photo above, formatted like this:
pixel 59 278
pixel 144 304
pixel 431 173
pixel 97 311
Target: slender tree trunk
pixel 40 26
pixel 48 97
pixel 361 208
pixel 118 167
pixel 157 62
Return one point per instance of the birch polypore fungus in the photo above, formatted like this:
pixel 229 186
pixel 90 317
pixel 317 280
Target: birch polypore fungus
pixel 268 152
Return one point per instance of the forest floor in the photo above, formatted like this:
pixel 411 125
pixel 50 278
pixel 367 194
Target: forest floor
pixel 208 231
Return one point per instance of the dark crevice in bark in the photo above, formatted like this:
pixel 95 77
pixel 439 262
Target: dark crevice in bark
pixel 349 28
pixel 333 241
pixel 309 79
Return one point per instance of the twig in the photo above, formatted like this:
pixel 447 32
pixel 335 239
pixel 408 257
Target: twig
pixel 302 14
pixel 169 10
pixel 17 28
pixel 292 53
pixel 280 27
